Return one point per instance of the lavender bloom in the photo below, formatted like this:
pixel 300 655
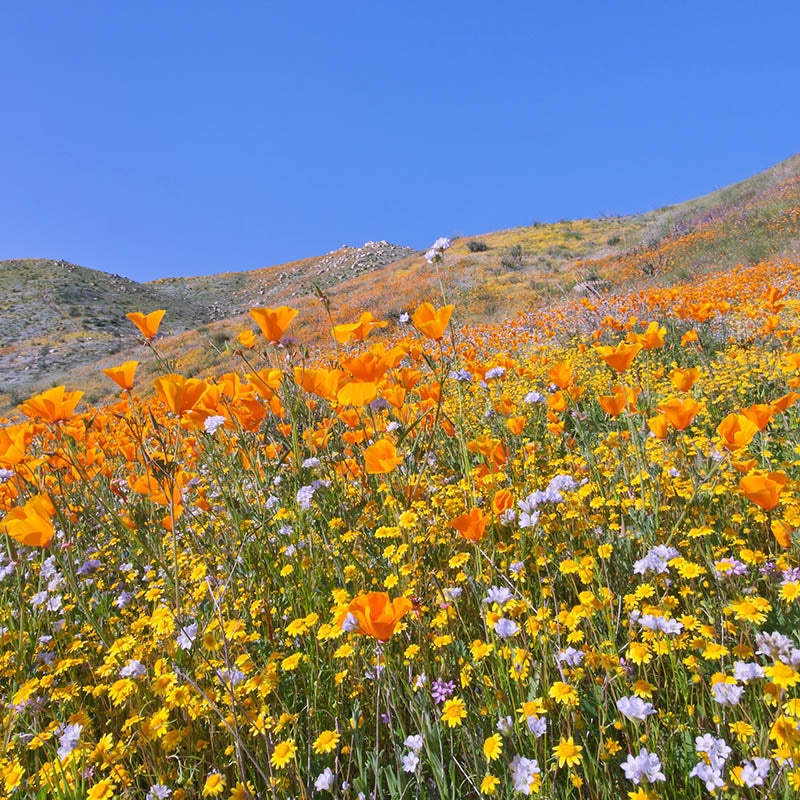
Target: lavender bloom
pixel 441 690
pixel 69 739
pixel 727 694
pixel 505 628
pixel 635 708
pixel 656 560
pixel 744 671
pixel 523 773
pixel 644 766
pixel 498 594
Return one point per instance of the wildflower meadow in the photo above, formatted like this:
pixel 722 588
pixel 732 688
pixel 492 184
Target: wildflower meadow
pixel 551 557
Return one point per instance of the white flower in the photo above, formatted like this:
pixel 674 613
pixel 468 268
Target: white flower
pixel 505 628
pixel 498 594
pixel 158 792
pixel 645 765
pixel 634 707
pixel 212 424
pixel 69 739
pixel 133 669
pixel 709 775
pixel 414 743
pixel 410 761
pixel 186 636
pixel 754 772
pixel 505 725
pixel 324 781
pixel 523 773
pixel 744 671
pixel 537 725
pixel 727 694
pixel 349 623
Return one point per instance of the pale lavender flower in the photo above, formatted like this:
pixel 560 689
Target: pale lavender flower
pixel 645 766
pixel 727 694
pixel 441 690
pixel 410 761
pixel 523 773
pixel 635 708
pixel 505 628
pixel 69 739
pixel 324 781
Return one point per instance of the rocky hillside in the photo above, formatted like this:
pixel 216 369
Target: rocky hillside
pixel 62 322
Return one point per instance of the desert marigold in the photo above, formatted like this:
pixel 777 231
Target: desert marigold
pixel 568 753
pixel 102 790
pixel 493 747
pixel 214 785
pixel 454 712
pixel 283 754
pixel 326 742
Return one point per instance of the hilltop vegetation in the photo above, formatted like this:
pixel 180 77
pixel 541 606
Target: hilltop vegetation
pixel 63 320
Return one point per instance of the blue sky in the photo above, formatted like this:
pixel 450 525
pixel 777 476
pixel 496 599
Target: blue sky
pixel 157 139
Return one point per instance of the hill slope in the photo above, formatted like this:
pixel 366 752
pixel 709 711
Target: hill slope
pixel 61 321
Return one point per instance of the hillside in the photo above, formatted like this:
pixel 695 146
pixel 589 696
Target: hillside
pixel 62 322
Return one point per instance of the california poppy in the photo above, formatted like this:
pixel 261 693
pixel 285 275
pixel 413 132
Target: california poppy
pixel 32 523
pixel 431 321
pixel 180 394
pixel 561 374
pixel 357 331
pixel 764 489
pixel 123 375
pixel 12 444
pixel 736 431
pixel 684 379
pixel 679 411
pixel 619 358
pixel 147 324
pixel 652 338
pixel 471 525
pixel 381 457
pixel 377 615
pixel 54 405
pixel 273 321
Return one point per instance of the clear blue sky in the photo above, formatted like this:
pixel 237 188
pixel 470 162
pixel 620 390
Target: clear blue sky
pixel 157 139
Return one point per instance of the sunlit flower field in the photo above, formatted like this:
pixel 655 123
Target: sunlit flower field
pixel 556 557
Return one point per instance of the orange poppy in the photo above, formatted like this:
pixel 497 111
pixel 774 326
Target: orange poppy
pixel 12 445
pixel 619 358
pixel 736 431
pixel 679 411
pixel 53 405
pixel 123 375
pixel 764 489
pixel 782 533
pixel 147 324
pixel 684 379
pixel 759 414
pixel 471 525
pixel 784 402
pixel 688 337
pixel 32 523
pixel 178 393
pixel 652 337
pixel 273 321
pixel 502 501
pixel 247 339
pixel 381 457
pixel 516 424
pixel 431 321
pixel 357 331
pixel 561 374
pixel 659 425
pixel 620 399
pixel 377 615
